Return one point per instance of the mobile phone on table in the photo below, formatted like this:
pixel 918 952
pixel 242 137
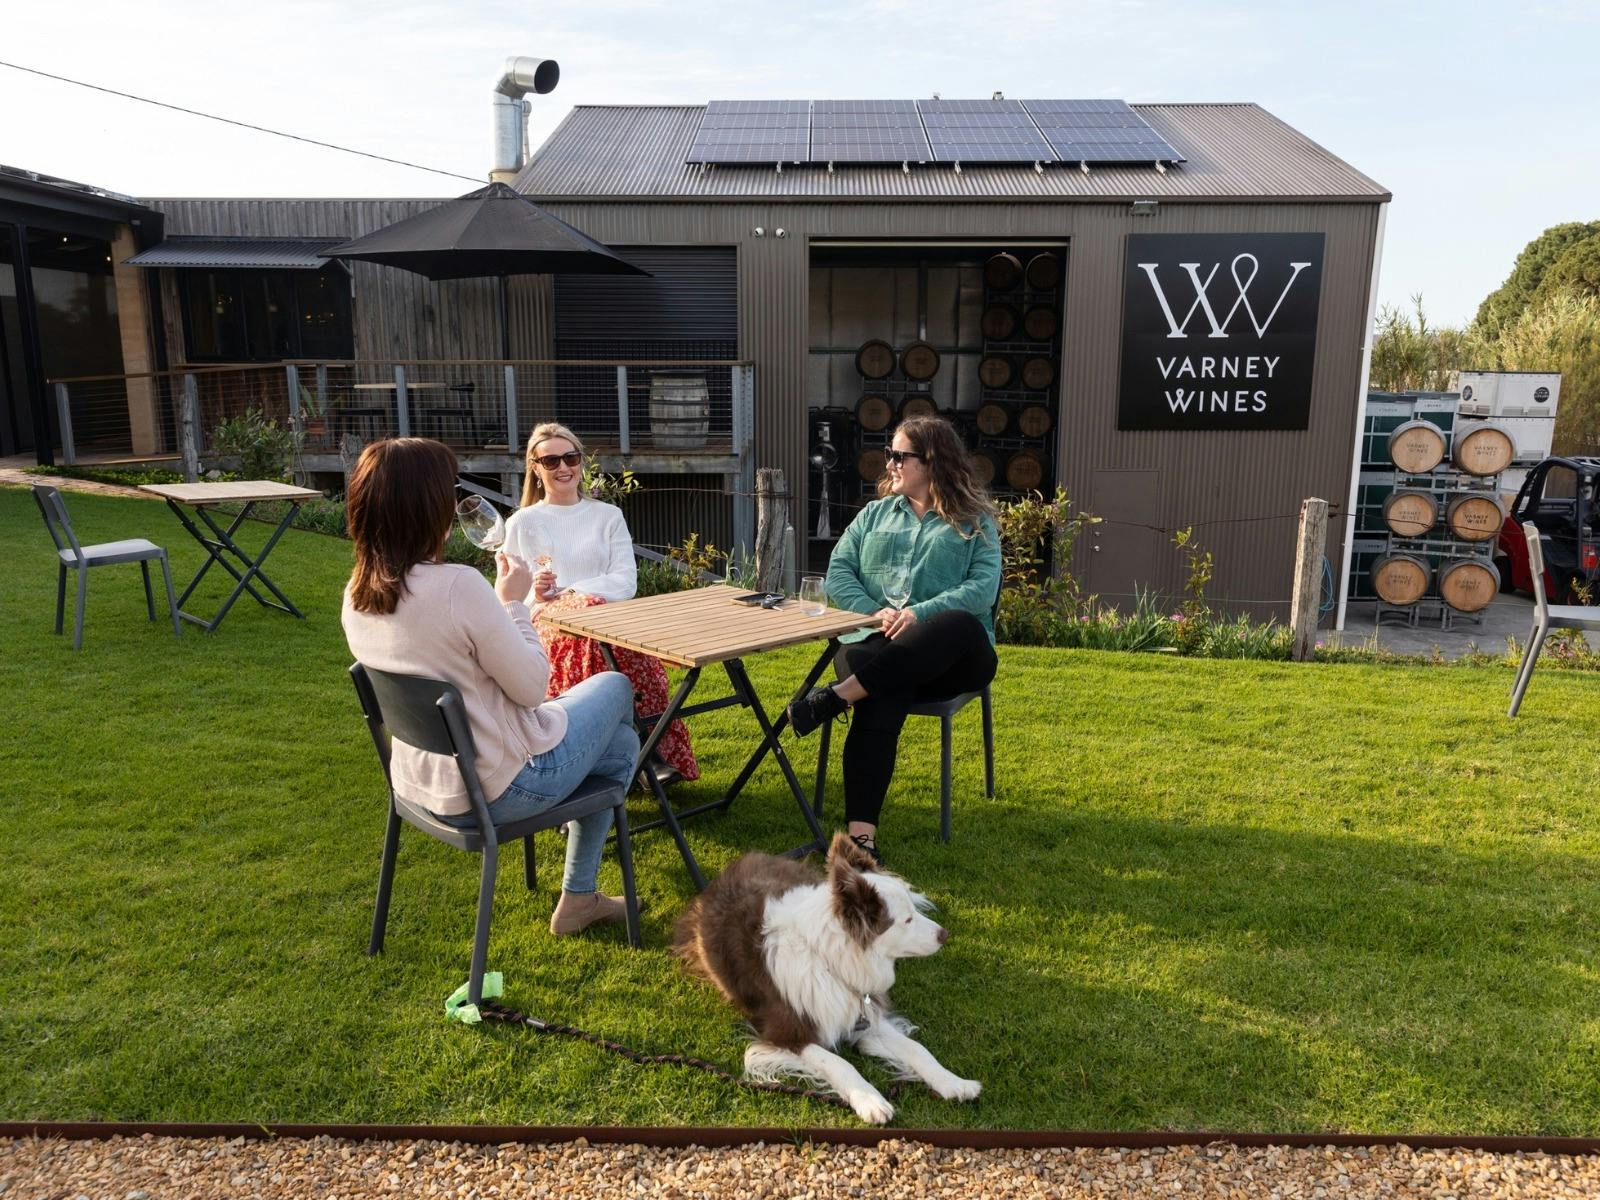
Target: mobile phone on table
pixel 764 599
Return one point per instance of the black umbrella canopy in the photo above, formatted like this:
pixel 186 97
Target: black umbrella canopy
pixel 492 231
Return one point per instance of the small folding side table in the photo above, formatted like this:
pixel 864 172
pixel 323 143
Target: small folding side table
pixel 220 546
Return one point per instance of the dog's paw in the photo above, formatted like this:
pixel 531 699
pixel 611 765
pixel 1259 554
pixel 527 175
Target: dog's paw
pixel 957 1089
pixel 871 1107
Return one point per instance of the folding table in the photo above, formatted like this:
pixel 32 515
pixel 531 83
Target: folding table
pixel 694 630
pixel 202 497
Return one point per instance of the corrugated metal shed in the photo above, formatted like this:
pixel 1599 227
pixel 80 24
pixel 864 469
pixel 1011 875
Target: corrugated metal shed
pixel 1236 152
pixel 286 254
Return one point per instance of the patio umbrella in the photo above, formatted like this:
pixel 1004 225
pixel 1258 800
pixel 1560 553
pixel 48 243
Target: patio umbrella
pixel 492 232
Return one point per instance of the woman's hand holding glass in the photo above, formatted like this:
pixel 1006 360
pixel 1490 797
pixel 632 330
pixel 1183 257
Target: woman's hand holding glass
pixel 513 578
pixel 897 618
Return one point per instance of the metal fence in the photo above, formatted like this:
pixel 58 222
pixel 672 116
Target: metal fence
pixel 694 410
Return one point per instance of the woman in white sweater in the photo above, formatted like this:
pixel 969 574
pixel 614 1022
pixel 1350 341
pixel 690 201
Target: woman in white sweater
pixel 407 611
pixel 583 555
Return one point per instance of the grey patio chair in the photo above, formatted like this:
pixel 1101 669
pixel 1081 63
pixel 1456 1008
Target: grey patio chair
pixel 946 711
pixel 430 715
pixel 1546 616
pixel 70 553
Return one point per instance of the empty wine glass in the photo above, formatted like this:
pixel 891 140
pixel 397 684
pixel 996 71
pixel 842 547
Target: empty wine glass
pixel 897 586
pixel 481 523
pixel 813 596
pixel 544 558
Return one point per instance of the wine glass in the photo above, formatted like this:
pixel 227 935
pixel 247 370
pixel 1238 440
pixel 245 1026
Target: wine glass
pixel 481 523
pixel 813 597
pixel 897 587
pixel 543 554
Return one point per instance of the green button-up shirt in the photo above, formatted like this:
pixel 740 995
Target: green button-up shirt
pixel 947 570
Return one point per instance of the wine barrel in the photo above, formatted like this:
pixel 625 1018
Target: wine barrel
pixel 1476 516
pixel 874 412
pixel 1400 578
pixel 984 468
pixel 1034 421
pixel 1040 323
pixel 996 372
pixel 918 406
pixel 993 419
pixel 869 463
pixel 1038 373
pixel 1483 450
pixel 998 323
pixel 1468 584
pixel 1044 272
pixel 1025 470
pixel 1417 447
pixel 1410 513
pixel 919 361
pixel 875 359
pixel 1002 272
pixel 680 410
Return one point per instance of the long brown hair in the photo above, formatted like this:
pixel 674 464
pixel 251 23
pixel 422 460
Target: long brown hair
pixel 958 497
pixel 399 507
pixel 532 488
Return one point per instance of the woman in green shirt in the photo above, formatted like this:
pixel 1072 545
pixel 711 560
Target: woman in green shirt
pixel 933 526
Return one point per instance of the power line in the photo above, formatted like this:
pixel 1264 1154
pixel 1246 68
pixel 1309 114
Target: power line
pixel 294 137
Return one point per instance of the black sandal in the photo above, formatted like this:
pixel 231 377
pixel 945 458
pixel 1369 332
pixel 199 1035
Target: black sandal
pixel 869 844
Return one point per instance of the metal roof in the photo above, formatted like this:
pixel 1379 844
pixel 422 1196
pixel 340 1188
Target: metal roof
pixel 1234 152
pixel 294 254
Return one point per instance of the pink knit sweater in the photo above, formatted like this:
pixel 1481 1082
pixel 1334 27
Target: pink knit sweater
pixel 450 625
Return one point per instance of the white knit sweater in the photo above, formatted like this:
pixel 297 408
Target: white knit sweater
pixel 588 542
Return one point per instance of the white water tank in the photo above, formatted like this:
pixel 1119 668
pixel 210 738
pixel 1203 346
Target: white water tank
pixel 1510 393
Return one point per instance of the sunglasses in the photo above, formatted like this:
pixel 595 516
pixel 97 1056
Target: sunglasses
pixel 551 461
pixel 896 457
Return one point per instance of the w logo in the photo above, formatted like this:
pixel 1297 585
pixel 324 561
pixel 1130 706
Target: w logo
pixel 1244 268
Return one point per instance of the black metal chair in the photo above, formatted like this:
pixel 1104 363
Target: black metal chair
pixel 429 714
pixel 946 711
pixel 71 553
pixel 1546 616
pixel 458 410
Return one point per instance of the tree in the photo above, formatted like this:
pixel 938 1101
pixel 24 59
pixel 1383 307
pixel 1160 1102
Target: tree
pixel 1560 333
pixel 1538 258
pixel 1408 355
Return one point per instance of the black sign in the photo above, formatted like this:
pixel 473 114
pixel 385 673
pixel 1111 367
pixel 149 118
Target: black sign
pixel 1219 331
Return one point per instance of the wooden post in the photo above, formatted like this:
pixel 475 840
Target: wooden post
pixel 350 447
pixel 772 514
pixel 189 428
pixel 624 434
pixel 402 406
pixel 1308 576
pixel 69 452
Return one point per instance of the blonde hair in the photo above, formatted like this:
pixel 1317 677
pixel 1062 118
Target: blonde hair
pixel 532 489
pixel 957 495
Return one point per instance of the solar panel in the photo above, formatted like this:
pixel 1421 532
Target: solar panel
pixel 867 131
pixel 983 131
pixel 753 131
pixel 1099 131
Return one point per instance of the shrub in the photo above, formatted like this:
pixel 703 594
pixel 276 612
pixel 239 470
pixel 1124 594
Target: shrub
pixel 262 446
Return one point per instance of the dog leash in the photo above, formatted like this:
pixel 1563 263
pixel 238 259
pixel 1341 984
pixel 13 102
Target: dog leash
pixel 493 1010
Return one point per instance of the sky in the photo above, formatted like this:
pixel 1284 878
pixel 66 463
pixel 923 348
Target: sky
pixel 1480 118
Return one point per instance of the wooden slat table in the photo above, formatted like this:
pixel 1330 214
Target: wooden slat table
pixel 697 629
pixel 202 497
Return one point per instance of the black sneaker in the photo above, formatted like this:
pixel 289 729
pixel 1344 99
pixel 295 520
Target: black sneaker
pixel 816 706
pixel 870 845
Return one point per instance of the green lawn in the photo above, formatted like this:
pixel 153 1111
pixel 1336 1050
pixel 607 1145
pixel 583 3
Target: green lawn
pixel 1209 895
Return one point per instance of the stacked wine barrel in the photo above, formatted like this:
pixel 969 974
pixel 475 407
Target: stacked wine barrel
pixel 1021 327
pixel 1443 516
pixel 894 387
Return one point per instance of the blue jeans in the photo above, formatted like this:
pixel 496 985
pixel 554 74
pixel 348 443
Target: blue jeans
pixel 600 741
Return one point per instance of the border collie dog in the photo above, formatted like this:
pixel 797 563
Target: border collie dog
pixel 810 962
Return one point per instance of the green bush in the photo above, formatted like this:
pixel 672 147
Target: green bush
pixel 262 446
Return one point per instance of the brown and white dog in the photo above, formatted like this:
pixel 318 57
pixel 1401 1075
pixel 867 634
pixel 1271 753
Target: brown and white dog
pixel 810 962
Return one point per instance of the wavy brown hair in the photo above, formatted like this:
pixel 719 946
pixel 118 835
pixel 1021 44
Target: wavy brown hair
pixel 399 506
pixel 958 497
pixel 532 489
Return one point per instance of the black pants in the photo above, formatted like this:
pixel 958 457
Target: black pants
pixel 939 657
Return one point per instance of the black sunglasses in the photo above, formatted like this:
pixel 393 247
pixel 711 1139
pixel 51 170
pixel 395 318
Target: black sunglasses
pixel 551 461
pixel 899 456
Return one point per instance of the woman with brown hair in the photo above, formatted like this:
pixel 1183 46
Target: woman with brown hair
pixel 406 610
pixel 587 542
pixel 924 560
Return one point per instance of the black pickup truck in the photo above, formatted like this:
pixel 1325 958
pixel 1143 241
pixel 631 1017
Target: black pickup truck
pixel 1561 499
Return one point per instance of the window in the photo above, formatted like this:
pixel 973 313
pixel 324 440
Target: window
pixel 267 316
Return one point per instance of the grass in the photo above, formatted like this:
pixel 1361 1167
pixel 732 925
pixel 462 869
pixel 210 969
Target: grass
pixel 1210 894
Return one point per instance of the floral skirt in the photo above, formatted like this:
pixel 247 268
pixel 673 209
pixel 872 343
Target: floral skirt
pixel 573 659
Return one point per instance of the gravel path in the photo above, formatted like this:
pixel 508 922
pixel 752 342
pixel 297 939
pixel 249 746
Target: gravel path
pixel 151 1168
pixel 62 484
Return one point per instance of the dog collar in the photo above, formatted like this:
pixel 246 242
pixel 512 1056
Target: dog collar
pixel 864 1021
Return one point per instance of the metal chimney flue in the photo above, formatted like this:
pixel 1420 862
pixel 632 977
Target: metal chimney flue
pixel 523 74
